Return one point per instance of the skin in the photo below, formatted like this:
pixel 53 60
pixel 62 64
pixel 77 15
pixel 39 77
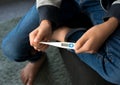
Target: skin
pixel 90 42
pixel 42 33
pixel 29 72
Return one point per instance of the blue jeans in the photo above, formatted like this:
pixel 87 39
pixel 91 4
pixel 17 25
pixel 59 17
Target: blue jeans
pixel 106 62
pixel 16 44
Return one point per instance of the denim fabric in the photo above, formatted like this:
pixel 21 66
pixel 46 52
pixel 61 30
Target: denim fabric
pixel 16 44
pixel 93 9
pixel 106 61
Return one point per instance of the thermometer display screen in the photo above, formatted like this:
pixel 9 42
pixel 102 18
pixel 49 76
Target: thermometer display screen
pixel 67 45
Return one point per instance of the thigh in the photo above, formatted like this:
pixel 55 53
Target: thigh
pixel 106 61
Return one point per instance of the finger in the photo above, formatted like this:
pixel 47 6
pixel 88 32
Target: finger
pixel 83 48
pixel 38 37
pixel 23 78
pixel 36 49
pixel 87 47
pixel 80 43
pixel 32 37
pixel 29 82
pixel 44 48
pixel 46 40
pixel 90 46
pixel 41 46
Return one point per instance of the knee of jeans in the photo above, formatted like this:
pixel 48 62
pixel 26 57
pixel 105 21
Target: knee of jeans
pixel 12 51
pixel 113 77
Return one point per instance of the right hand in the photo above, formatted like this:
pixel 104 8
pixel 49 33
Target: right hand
pixel 93 39
pixel 42 33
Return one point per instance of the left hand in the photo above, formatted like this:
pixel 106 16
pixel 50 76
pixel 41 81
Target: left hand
pixel 91 40
pixel 42 33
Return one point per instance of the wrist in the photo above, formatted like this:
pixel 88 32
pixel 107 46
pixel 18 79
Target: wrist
pixel 108 27
pixel 112 22
pixel 46 23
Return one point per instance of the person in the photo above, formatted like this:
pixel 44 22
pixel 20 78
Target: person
pixel 46 21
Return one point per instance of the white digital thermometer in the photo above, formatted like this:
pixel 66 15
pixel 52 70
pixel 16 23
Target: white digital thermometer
pixel 66 45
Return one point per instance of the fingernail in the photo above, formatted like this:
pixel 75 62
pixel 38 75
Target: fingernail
pixel 35 40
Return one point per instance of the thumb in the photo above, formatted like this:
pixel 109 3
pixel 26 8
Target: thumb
pixel 79 45
pixel 81 41
pixel 32 36
pixel 30 82
pixel 38 37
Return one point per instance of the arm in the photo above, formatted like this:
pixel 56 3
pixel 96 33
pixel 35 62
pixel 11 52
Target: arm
pixel 49 10
pixel 48 14
pixel 91 40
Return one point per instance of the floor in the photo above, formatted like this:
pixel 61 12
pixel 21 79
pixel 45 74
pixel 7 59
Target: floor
pixel 14 9
pixel 53 71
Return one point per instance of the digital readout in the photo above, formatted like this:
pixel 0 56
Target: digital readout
pixel 65 44
pixel 70 45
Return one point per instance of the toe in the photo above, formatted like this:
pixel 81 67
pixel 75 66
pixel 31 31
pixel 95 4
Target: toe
pixel 24 78
pixel 30 82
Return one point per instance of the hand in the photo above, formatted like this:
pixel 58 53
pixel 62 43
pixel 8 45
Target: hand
pixel 42 33
pixel 91 40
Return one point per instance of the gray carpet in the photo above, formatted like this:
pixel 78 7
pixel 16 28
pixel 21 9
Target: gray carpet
pixel 53 71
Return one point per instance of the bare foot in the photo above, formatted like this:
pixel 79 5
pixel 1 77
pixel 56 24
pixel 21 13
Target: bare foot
pixel 30 71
